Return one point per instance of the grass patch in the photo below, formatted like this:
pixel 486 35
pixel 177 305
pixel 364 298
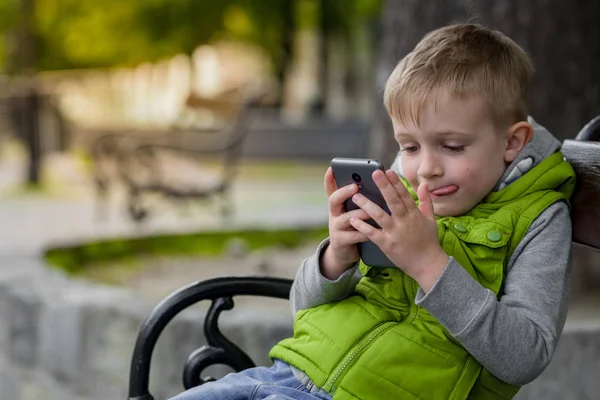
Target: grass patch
pixel 74 259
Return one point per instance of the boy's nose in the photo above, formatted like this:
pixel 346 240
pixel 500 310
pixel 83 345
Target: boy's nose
pixel 430 166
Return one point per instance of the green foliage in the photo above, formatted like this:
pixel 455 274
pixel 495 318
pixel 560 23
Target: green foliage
pixel 9 21
pixel 74 259
pixel 81 34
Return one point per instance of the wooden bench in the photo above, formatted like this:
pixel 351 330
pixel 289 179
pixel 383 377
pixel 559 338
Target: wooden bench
pixel 583 153
pixel 146 161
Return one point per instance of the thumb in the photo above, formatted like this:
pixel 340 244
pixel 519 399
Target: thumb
pixel 425 203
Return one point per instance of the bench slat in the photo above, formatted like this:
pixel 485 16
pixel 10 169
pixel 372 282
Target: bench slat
pixel 585 213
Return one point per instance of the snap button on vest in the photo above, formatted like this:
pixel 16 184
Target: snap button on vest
pixel 494 236
pixel 460 228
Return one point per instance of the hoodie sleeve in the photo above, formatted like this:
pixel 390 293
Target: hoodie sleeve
pixel 311 288
pixel 515 337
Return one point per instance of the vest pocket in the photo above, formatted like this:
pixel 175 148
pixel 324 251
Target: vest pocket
pixel 482 232
pixel 480 247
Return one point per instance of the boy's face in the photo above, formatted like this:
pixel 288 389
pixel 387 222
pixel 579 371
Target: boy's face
pixel 456 150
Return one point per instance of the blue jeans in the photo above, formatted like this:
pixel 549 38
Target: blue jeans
pixel 279 382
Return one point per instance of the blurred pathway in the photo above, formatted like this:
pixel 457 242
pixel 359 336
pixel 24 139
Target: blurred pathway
pixel 29 221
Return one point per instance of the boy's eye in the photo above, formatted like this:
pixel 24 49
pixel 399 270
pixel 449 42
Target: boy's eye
pixel 409 149
pixel 454 149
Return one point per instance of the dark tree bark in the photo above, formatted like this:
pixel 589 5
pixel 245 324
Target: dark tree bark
pixel 324 35
pixel 562 38
pixel 26 55
pixel 287 43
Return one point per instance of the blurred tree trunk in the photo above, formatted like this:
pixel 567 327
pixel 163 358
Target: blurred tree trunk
pixel 323 60
pixel 561 37
pixel 28 92
pixel 287 42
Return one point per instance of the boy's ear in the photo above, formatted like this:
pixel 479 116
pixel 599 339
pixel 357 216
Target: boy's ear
pixel 517 137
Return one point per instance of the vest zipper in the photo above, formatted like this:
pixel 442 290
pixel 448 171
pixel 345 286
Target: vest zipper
pixel 355 351
pixel 411 287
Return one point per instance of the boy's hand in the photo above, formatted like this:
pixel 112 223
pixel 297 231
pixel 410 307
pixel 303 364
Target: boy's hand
pixel 409 236
pixel 342 252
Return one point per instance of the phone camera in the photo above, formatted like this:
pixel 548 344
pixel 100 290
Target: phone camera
pixel 356 178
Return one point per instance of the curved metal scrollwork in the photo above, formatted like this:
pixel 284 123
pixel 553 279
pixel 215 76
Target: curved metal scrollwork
pixel 219 350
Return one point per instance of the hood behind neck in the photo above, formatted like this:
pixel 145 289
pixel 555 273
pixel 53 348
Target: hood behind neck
pixel 542 145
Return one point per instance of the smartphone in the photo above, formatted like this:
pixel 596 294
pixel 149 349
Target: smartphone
pixel 360 171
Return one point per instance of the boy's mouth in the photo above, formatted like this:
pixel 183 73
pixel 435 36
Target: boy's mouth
pixel 443 191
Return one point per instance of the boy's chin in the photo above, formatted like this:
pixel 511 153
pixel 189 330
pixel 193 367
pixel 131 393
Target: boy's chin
pixel 448 210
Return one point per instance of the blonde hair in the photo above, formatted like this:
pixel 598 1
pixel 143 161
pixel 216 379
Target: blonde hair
pixel 461 60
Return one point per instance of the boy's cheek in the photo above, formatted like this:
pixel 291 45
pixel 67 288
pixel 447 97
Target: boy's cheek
pixel 410 174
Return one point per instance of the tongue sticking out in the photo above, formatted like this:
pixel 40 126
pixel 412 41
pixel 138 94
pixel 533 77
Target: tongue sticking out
pixel 444 190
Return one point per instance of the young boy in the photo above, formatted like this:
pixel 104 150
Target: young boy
pixel 480 233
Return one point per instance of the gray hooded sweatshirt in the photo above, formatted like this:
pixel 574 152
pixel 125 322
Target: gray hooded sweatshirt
pixel 514 337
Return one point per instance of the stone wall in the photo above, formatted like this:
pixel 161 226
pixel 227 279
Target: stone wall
pixel 67 339
pixel 64 339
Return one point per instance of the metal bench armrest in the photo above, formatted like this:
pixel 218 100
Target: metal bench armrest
pixel 219 350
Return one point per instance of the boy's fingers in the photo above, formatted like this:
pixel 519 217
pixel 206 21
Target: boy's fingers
pixel 337 198
pixel 330 185
pixel 390 194
pixel 425 203
pixel 382 218
pixel 352 237
pixel 370 232
pixel 405 196
pixel 344 221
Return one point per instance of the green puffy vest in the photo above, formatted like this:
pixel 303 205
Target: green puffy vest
pixel 377 344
